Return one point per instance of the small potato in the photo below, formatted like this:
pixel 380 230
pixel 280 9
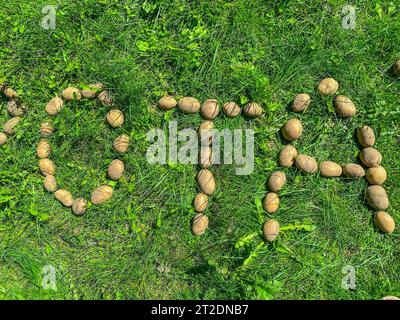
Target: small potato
pixel 271 230
pixel 301 102
pixel 10 126
pixel 205 132
pixel 43 149
pixel 276 181
pixel 330 169
pixel 116 169
pixel 231 109
pixel 92 91
pixel 115 118
pixel 344 106
pixel 79 206
pixel 292 130
pixel 200 202
pixel 287 156
pixel 10 93
pixel 376 175
pixel 189 105
pixel 199 224
pixel 54 106
pixel 210 109
pixel 167 103
pixel 396 68
pixel 377 197
pixel 366 136
pixel 253 109
pixel 71 93
pixel 328 86
pixel 353 170
pixel 206 181
pixel 105 98
pixel 14 109
pixel 206 157
pixel 64 197
pixel 271 202
pixel 384 222
pixel 306 163
pixel 50 183
pixel 121 143
pixel 46 129
pixel 101 194
pixel 3 138
pixel 370 157
pixel 47 167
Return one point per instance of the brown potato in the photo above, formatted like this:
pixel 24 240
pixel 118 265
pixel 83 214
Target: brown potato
pixel 10 93
pixel 287 156
pixel 370 157
pixel 206 181
pixel 199 224
pixel 353 170
pixel 92 91
pixel 43 149
pixel 344 106
pixel 205 132
pixel 377 197
pixel 121 143
pixel 271 230
pixel 376 175
pixel 271 202
pixel 101 194
pixel 115 118
pixel 167 103
pixel 189 105
pixel 10 126
pixel 206 157
pixel 71 93
pixel 253 109
pixel 330 169
pixel 210 109
pixel 306 163
pixel 3 138
pixel 328 86
pixel 79 206
pixel 54 106
pixel 396 68
pixel 46 129
pixel 64 197
pixel 50 183
pixel 105 98
pixel 231 109
pixel 200 202
pixel 14 109
pixel 47 167
pixel 384 222
pixel 292 130
pixel 366 136
pixel 276 181
pixel 116 169
pixel 301 102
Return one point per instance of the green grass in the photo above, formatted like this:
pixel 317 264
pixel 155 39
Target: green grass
pixel 139 245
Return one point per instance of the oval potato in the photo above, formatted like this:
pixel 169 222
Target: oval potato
pixel 10 126
pixel 301 102
pixel 46 129
pixel 206 132
pixel 121 143
pixel 377 197
pixel 206 157
pixel 14 109
pixel 47 167
pixel 206 181
pixel 252 109
pixel 353 170
pixel 231 109
pixel 115 118
pixel 10 93
pixel 271 202
pixel 79 206
pixel 328 86
pixel 370 157
pixel 189 105
pixel 105 98
pixel 344 106
pixel 50 183
pixel 306 163
pixel 101 194
pixel 287 156
pixel 199 224
pixel 200 202
pixel 54 106
pixel 384 222
pixel 330 169
pixel 276 181
pixel 167 103
pixel 271 230
pixel 292 130
pixel 366 136
pixel 64 197
pixel 210 109
pixel 71 93
pixel 3 138
pixel 43 149
pixel 92 91
pixel 116 169
pixel 376 175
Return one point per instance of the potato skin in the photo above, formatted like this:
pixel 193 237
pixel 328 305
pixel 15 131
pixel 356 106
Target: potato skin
pixel 115 118
pixel 46 129
pixel 377 197
pixel 376 175
pixel 10 93
pixel 366 136
pixel 79 206
pixel 344 106
pixel 231 109
pixel 330 169
pixel 199 224
pixel 43 149
pixel 206 181
pixel 292 130
pixel 353 170
pixel 210 109
pixel 92 91
pixel 105 98
pixel 10 126
pixel 328 86
pixel 65 197
pixel 370 157
pixel 205 157
pixel 54 106
pixel 116 169
pixel 276 181
pixel 301 102
pixel 205 132
pixel 252 109
pixel 271 202
pixel 50 183
pixel 306 163
pixel 167 103
pixel 189 105
pixel 47 167
pixel 121 143
pixel 384 222
pixel 71 93
pixel 271 230
pixel 14 109
pixel 3 138
pixel 200 202
pixel 287 156
pixel 101 194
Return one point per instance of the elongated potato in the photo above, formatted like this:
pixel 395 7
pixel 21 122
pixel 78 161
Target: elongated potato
pixel 384 222
pixel 210 109
pixel 287 156
pixel 206 181
pixel 121 143
pixel 376 175
pixel 47 167
pixel 115 118
pixel 330 169
pixel 205 157
pixel 92 91
pixel 231 109
pixel 292 130
pixel 370 157
pixel 301 102
pixel 328 86
pixel 101 194
pixel 205 132
pixel 65 197
pixel 167 103
pixel 377 197
pixel 189 105
pixel 79 206
pixel 271 202
pixel 271 230
pixel 344 106
pixel 54 106
pixel 3 138
pixel 253 109
pixel 50 183
pixel 276 181
pixel 366 136
pixel 116 169
pixel 10 127
pixel 200 202
pixel 10 93
pixel 199 224
pixel 353 170
pixel 306 163
pixel 71 93
pixel 43 149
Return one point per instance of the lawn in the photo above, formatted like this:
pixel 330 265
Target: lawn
pixel 139 245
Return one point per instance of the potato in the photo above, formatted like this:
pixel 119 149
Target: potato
pixel 200 202
pixel 301 102
pixel 287 156
pixel 43 149
pixel 271 230
pixel 292 130
pixel 384 222
pixel 3 138
pixel 366 136
pixel 50 183
pixel 328 86
pixel 92 91
pixel 206 181
pixel 306 163
pixel 115 118
pixel 210 109
pixel 10 126
pixel 253 109
pixel 54 106
pixel 116 169
pixel 189 105
pixel 276 181
pixel 199 224
pixel 79 206
pixel 101 194
pixel 205 132
pixel 47 167
pixel 105 98
pixel 376 175
pixel 167 103
pixel 370 157
pixel 353 170
pixel 71 93
pixel 330 169
pixel 10 93
pixel 390 298
pixel 64 197
pixel 231 109
pixel 271 202
pixel 396 68
pixel 46 129
pixel 121 143
pixel 344 106
pixel 377 197
pixel 205 157
pixel 14 109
